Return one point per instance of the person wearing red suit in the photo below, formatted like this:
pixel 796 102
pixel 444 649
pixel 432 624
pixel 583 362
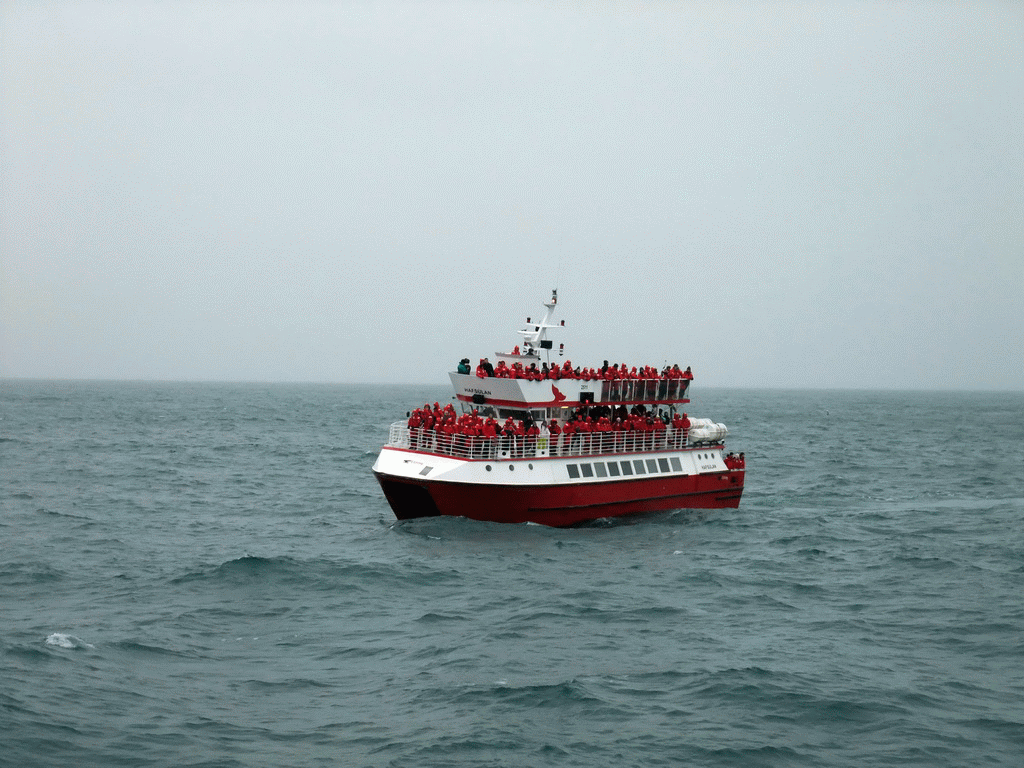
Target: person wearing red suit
pixel 508 436
pixel 603 440
pixel 586 428
pixel 571 437
pixel 489 433
pixel 677 430
pixel 659 433
pixel 449 430
pixel 415 422
pixel 618 434
pixel 555 433
pixel 646 432
pixel 532 432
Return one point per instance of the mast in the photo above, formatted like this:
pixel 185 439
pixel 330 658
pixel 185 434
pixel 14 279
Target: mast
pixel 536 337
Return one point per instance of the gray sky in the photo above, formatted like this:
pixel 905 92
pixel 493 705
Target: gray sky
pixel 777 194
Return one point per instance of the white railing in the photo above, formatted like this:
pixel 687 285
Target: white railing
pixel 606 390
pixel 520 447
pixel 644 390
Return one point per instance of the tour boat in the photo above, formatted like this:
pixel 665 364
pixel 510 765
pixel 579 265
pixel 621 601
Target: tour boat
pixel 573 446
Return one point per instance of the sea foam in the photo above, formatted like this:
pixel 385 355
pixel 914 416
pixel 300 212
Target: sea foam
pixel 60 640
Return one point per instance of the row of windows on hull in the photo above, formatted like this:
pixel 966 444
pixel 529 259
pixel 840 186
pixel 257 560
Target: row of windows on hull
pixel 625 468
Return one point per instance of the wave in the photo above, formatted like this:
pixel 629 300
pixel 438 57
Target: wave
pixel 245 568
pixel 433 617
pixel 61 640
pixel 555 696
pixel 804 699
pixel 320 574
pixel 1010 729
pixel 29 574
pixel 58 513
pixel 132 646
pixel 293 684
pixel 29 653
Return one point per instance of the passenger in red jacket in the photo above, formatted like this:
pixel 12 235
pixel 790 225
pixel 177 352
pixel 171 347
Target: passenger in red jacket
pixel 677 430
pixel 586 429
pixel 531 433
pixel 571 438
pixel 555 432
pixel 448 434
pixel 659 433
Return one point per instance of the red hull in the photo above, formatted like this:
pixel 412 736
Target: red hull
pixel 563 504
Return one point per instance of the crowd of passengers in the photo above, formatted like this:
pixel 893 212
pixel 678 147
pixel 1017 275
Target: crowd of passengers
pixel 566 370
pixel 735 461
pixel 599 428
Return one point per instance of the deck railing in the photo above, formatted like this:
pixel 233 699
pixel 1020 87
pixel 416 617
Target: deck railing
pixel 540 446
pixel 644 390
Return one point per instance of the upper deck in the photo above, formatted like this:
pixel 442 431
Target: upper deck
pixel 547 393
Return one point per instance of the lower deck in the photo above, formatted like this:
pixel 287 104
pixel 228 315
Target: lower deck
pixel 557 491
pixel 561 505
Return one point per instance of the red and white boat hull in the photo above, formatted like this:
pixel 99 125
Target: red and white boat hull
pixel 556 491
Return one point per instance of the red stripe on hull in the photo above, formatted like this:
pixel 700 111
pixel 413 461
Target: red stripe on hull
pixel 560 505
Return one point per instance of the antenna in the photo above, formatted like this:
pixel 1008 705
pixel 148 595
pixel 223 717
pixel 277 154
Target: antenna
pixel 537 336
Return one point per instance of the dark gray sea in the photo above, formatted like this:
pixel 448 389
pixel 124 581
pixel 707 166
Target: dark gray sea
pixel 208 575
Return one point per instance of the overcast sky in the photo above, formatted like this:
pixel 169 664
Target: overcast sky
pixel 779 194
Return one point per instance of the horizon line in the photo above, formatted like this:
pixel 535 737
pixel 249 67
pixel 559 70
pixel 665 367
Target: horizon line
pixel 286 382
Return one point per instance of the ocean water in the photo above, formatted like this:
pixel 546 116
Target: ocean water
pixel 208 575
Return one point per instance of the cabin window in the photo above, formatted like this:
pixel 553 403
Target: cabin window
pixel 573 470
pixel 627 468
pixel 663 464
pixel 599 467
pixel 638 465
pixel 676 466
pixel 613 468
pixel 652 466
pixel 504 413
pixel 588 471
